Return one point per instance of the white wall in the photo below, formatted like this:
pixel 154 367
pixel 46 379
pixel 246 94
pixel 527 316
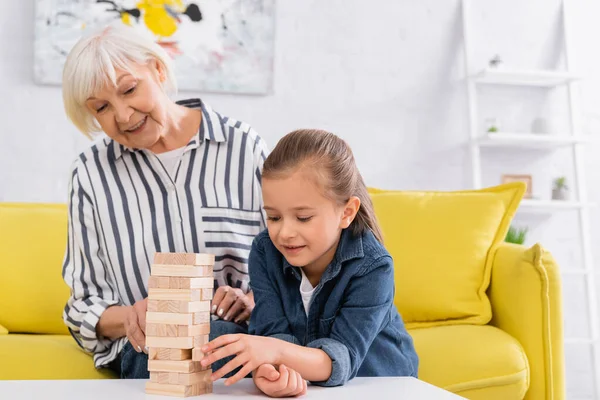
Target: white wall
pixel 385 75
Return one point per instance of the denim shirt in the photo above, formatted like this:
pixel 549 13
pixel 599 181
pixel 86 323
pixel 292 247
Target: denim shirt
pixel 351 316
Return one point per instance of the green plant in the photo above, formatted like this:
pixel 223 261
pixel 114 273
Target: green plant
pixel 560 183
pixel 492 129
pixel 516 235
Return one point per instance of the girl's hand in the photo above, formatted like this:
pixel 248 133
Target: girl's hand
pixel 249 352
pixel 283 383
pixel 135 325
pixel 232 304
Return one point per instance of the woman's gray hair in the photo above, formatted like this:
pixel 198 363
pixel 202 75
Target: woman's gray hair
pixel 91 64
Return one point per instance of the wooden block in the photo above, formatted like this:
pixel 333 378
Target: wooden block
pixel 180 378
pixel 175 306
pixel 158 282
pixel 161 353
pixel 193 330
pixel 184 259
pixel 161 330
pixel 176 342
pixel 178 282
pixel 174 294
pixel 197 354
pixel 207 294
pixel 186 366
pixel 181 271
pixel 178 390
pixel 167 330
pixel 177 318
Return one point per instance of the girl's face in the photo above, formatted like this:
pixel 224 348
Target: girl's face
pixel 134 113
pixel 304 225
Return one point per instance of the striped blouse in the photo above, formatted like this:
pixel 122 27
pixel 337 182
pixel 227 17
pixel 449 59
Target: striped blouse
pixel 124 206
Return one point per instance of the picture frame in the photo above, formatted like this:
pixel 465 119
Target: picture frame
pixel 527 179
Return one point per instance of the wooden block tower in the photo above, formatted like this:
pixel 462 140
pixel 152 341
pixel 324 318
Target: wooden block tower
pixel 180 291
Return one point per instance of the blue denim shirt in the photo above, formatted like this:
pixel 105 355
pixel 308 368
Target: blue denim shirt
pixel 351 316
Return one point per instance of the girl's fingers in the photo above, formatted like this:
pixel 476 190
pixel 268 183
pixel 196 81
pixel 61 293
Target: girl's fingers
pixel 300 384
pixel 226 351
pixel 220 342
pixel 292 382
pixel 266 371
pixel 244 371
pixel 227 368
pixel 304 387
pixel 281 384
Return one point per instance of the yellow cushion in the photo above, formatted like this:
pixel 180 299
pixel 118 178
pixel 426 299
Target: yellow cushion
pixel 474 361
pixel 32 245
pixel 440 242
pixel 46 357
pixel 3 330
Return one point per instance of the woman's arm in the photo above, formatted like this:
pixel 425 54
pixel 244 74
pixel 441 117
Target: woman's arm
pixel 85 272
pixel 112 322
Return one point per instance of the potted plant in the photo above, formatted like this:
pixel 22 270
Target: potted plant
pixel 560 190
pixel 516 235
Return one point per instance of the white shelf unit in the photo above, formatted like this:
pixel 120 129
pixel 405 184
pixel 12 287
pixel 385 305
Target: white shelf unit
pixel 550 206
pixel 529 140
pixel 547 80
pixel 539 78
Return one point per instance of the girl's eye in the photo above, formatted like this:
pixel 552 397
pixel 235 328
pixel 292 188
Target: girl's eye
pixel 274 219
pixel 304 219
pixel 131 90
pixel 101 108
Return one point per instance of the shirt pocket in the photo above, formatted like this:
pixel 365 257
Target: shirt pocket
pixel 228 234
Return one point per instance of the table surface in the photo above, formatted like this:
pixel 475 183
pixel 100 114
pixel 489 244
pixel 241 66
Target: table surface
pixel 114 389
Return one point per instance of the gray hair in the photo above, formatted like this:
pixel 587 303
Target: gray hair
pixel 91 64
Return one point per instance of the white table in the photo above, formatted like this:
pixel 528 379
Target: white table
pixel 117 389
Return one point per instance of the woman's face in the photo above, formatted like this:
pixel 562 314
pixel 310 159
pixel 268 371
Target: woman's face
pixel 134 113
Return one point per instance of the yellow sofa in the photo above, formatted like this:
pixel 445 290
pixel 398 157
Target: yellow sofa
pixel 34 342
pixel 518 354
pixel 485 315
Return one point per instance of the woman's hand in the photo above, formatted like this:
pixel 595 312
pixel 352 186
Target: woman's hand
pixel 283 383
pixel 232 304
pixel 249 352
pixel 135 325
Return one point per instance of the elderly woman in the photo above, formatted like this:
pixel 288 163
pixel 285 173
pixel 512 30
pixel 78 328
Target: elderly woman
pixel 168 177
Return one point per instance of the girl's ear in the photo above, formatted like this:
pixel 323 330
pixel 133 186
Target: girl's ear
pixel 350 210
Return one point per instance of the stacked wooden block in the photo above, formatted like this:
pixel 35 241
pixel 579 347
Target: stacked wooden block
pixel 180 291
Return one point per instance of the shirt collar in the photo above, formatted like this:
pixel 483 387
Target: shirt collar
pixel 212 128
pixel 349 247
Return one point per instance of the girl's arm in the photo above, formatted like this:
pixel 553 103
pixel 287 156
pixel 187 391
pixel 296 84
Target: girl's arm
pixel 365 309
pixel 271 339
pixel 328 361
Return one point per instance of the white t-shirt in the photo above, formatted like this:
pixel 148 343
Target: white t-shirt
pixel 306 291
pixel 169 159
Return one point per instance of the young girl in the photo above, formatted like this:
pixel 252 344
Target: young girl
pixel 323 282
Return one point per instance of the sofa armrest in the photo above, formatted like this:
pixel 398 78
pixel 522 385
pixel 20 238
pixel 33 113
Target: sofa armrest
pixel 3 330
pixel 526 297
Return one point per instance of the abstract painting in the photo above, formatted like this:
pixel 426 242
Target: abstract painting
pixel 216 45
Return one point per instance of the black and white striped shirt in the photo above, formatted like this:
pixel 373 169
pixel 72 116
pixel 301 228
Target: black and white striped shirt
pixel 124 206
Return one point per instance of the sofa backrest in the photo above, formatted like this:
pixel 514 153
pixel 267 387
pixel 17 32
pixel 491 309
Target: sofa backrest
pixel 32 246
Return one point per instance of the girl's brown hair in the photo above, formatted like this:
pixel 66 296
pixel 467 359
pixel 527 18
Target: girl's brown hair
pixel 333 161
